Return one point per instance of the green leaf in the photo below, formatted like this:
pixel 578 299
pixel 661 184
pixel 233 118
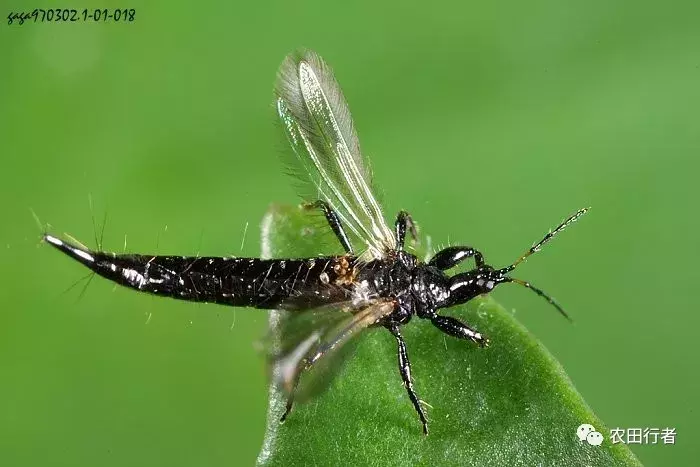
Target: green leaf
pixel 509 404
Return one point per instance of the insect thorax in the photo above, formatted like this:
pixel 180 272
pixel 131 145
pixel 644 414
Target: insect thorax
pixel 402 278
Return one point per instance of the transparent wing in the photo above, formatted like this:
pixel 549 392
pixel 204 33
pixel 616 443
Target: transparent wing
pixel 327 157
pixel 313 345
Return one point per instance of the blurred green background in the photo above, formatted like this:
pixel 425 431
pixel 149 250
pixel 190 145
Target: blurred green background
pixel 488 121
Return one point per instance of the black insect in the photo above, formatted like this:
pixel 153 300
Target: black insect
pixel 327 300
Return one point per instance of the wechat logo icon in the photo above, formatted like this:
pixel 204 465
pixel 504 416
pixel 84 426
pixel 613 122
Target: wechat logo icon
pixel 589 434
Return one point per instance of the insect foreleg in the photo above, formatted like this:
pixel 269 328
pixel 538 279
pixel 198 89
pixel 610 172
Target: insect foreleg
pixel 456 328
pixel 405 370
pixel 451 256
pixel 404 222
pixel 335 224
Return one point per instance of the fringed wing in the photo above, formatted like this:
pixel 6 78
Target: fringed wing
pixel 327 157
pixel 312 345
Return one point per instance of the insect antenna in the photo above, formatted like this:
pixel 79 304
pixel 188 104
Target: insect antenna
pixel 541 293
pixel 534 249
pixel 550 235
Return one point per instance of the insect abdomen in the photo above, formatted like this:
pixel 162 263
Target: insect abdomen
pixel 261 283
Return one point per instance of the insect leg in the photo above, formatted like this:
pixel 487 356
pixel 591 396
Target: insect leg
pixel 451 256
pixel 405 369
pixel 456 328
pixel 334 222
pixel 404 222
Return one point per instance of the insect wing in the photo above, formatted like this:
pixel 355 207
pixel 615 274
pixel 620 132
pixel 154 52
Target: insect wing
pixel 312 345
pixel 327 157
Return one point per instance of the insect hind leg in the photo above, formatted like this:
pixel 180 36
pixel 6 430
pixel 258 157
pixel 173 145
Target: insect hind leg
pixel 334 223
pixel 405 370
